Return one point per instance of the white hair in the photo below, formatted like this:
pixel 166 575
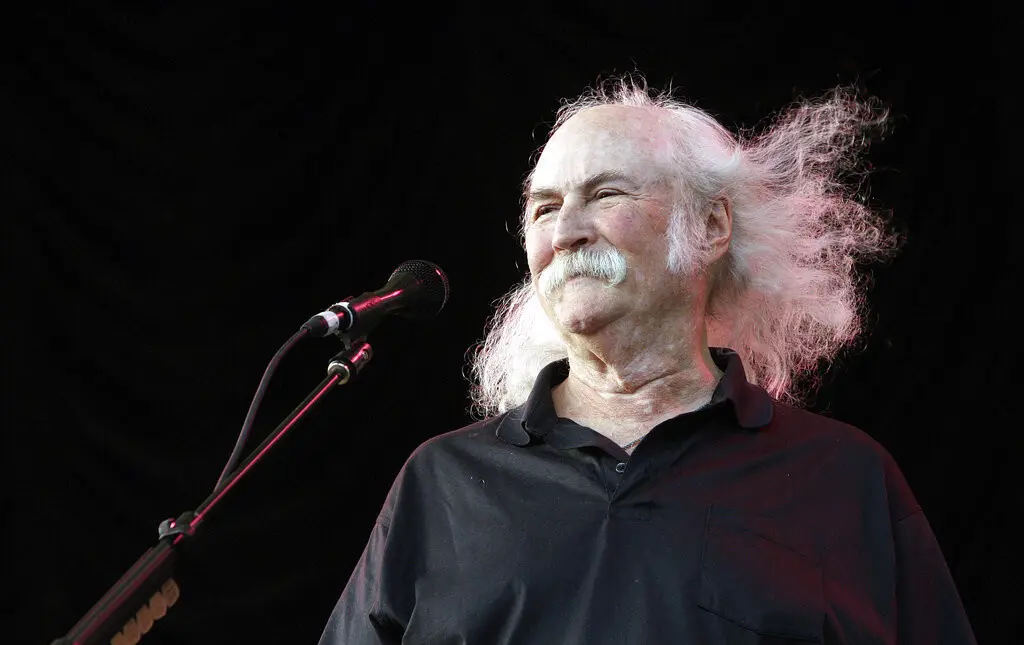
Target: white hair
pixel 605 263
pixel 786 296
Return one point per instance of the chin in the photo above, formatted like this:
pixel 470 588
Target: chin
pixel 581 326
pixel 583 320
pixel 585 310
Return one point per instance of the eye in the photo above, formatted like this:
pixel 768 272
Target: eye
pixel 606 192
pixel 544 209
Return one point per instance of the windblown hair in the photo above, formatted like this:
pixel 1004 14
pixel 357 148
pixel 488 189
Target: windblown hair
pixel 787 295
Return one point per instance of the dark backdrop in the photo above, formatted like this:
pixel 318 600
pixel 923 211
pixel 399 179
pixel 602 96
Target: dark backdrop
pixel 190 184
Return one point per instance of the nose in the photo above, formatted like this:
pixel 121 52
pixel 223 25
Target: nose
pixel 573 229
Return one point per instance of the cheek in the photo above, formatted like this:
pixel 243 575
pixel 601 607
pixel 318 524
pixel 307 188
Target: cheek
pixel 538 249
pixel 638 232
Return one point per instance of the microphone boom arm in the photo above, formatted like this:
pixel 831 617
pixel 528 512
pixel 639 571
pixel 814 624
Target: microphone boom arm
pixel 147 589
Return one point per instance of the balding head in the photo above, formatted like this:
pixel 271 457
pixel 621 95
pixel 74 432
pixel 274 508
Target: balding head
pixel 609 139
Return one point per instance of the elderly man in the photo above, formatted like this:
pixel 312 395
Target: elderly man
pixel 634 483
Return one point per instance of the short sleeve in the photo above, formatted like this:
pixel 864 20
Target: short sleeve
pixel 928 607
pixel 358 618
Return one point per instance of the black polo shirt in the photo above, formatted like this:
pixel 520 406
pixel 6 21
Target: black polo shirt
pixel 747 521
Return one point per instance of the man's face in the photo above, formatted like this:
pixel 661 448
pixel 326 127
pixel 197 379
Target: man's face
pixel 602 183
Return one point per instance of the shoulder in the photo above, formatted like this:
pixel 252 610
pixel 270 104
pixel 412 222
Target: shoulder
pixel 445 459
pixel 796 425
pixel 475 438
pixel 845 452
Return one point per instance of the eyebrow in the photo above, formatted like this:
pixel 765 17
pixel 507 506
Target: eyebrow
pixel 591 182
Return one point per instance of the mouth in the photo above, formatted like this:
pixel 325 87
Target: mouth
pixel 576 277
pixel 565 286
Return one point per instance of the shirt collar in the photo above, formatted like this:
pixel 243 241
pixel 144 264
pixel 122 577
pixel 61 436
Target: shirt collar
pixel 535 418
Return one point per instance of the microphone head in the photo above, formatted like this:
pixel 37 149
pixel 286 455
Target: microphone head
pixel 425 286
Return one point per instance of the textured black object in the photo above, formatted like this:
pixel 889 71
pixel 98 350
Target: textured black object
pixel 432 290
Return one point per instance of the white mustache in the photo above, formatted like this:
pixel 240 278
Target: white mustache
pixel 606 264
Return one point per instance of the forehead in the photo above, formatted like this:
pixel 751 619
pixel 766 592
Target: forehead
pixel 612 139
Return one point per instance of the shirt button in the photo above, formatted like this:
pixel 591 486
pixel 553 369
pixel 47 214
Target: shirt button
pixel 620 467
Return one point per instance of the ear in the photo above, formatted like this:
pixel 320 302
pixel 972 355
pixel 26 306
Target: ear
pixel 719 227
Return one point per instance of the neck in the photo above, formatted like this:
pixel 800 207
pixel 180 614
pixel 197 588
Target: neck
pixel 624 384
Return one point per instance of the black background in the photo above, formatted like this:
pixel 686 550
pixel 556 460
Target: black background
pixel 190 184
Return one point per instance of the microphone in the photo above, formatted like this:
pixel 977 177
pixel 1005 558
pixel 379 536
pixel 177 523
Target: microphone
pixel 416 289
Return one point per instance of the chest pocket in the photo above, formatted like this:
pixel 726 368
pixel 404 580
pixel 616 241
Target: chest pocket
pixel 752 577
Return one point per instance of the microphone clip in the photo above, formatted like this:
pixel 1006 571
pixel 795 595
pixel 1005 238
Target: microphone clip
pixel 350 361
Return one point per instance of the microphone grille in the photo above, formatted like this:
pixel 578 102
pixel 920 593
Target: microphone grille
pixel 433 285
